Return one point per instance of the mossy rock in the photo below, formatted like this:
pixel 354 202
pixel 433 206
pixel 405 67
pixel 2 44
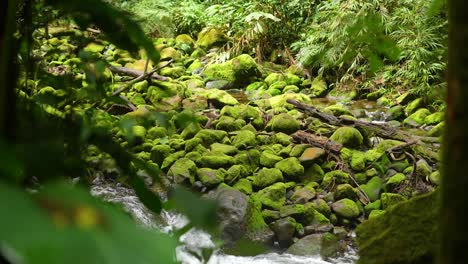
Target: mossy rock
pixel 249 158
pixel 267 177
pixel 279 85
pixel 291 89
pixel 273 196
pixel 219 96
pixel 210 37
pixel 223 148
pixel 437 130
pixel 170 53
pixel 284 123
pixel 335 177
pixel 244 185
pixel 391 199
pixel 210 136
pixel 217 160
pixel 319 87
pixel 372 188
pixel 414 105
pixel 292 79
pixel 338 110
pixel 297 150
pixel 173 72
pixel 185 39
pixel 314 173
pixel 417 118
pixel 210 177
pixel 229 124
pixel 170 159
pixel 159 153
pixel 375 205
pixel 274 77
pixel 257 230
pixel 244 139
pixel 281 138
pixel 409 228
pixel 395 112
pixel 303 195
pixel 183 171
pixel 346 208
pixel 247 113
pixel 394 181
pixel 350 137
pixel 235 173
pixel 291 168
pixel 434 118
pixel 268 159
pixel 358 161
pixel 345 191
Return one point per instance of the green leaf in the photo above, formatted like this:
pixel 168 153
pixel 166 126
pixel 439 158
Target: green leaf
pixel 65 224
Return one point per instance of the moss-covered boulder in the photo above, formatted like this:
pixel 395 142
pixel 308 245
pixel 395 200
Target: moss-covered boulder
pixel 284 229
pixel 437 130
pixel 373 188
pixel 268 159
pixel 423 169
pixel 274 77
pixel 346 208
pixel 409 228
pixel 235 173
pixel 257 230
pixel 291 168
pixel 210 177
pixel 417 118
pixel 394 181
pixel 229 124
pixel 267 177
pixel 273 196
pixel 314 173
pixel 219 97
pixel 283 123
pixel 414 105
pixel 217 160
pixel 244 139
pixel 338 110
pixel 335 177
pixel 350 137
pixel 239 71
pixel 391 199
pixel 244 186
pixel 210 136
pixel 434 118
pixel 210 37
pixel 395 112
pixel 319 87
pixel 303 195
pixel 183 171
pixel 345 191
pixel 159 153
pixel 223 148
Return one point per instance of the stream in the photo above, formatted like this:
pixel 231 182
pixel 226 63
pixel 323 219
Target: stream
pixel 194 241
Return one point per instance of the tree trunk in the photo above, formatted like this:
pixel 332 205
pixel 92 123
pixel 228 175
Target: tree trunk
pixel 454 209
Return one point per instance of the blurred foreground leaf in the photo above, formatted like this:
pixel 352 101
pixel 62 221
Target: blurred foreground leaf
pixel 65 224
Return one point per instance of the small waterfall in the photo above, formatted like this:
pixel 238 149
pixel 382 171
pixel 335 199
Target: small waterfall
pixel 195 241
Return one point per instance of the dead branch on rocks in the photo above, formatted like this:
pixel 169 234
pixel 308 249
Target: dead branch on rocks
pixel 325 143
pixel 418 144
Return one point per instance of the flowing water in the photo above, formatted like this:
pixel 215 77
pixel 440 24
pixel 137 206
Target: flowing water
pixel 194 241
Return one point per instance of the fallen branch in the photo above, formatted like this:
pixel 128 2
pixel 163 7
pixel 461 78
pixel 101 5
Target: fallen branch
pixel 139 75
pixel 328 145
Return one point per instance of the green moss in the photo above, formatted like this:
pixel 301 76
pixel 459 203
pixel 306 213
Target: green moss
pixel 435 178
pixel 391 199
pixel 229 124
pixel 292 79
pixel 185 39
pixel 313 174
pixel 386 144
pixel 217 160
pixel 394 181
pixel 414 105
pixel 183 171
pixel 273 196
pixel 173 72
pixel 417 118
pixel 358 161
pixel 297 150
pixel 423 169
pixel 159 153
pixel 376 205
pixel 210 37
pixel 335 177
pixel 274 77
pixel 210 177
pixel 244 186
pixel 210 136
pixel 376 213
pixel 223 148
pixel 338 110
pixel 345 191
pixel 395 112
pixel 437 130
pixel 266 177
pixel 235 173
pixel 277 86
pixel 434 118
pixel 303 195
pixel 409 228
pixel 170 53
pixel 319 87
pixel 291 89
pixel 346 208
pixel 169 160
pixel 291 168
pixel 268 159
pixel 372 188
pixel 249 158
pixel 350 137
pixel 244 139
pixel 281 138
pixel 219 96
pixel 283 123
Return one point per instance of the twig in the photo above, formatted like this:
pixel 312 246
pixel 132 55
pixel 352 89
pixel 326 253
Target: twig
pixel 141 76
